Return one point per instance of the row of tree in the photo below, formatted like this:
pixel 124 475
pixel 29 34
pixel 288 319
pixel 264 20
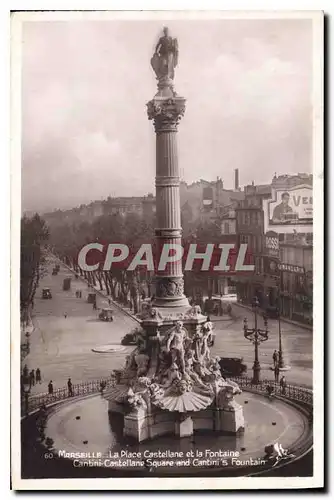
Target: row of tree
pixel 66 240
pixel 34 239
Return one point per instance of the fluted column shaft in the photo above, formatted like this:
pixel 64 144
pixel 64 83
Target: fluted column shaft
pixel 166 114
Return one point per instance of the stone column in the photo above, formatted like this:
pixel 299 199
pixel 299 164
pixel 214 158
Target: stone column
pixel 166 112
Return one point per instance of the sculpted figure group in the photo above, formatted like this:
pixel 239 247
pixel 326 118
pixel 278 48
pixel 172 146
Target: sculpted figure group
pixel 183 366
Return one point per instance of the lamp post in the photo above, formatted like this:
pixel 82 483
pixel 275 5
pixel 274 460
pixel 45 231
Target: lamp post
pixel 256 336
pixel 26 387
pixel 27 342
pixel 281 364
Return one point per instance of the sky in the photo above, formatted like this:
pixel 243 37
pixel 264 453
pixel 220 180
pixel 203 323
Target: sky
pixel 85 85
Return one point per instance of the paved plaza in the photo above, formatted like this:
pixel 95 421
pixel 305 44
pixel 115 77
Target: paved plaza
pixel 67 331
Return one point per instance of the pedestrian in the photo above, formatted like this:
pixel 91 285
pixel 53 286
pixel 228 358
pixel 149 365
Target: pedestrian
pixel 283 385
pixel 94 305
pixel 38 376
pixel 32 377
pixel 275 357
pixel 276 373
pixel 50 387
pixel 270 391
pixel 65 315
pixel 70 388
pixel 25 371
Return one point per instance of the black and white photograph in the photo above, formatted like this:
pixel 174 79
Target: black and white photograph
pixel 165 167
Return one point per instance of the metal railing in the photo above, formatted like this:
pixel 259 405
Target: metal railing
pixel 35 401
pixel 289 392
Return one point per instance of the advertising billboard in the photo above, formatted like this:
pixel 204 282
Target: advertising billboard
pixel 290 209
pixel 271 244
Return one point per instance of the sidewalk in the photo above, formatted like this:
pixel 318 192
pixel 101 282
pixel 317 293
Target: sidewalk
pixel 283 320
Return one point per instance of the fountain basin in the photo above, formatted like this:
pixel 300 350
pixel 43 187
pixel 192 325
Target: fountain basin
pixel 97 440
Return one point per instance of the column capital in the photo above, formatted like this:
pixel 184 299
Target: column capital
pixel 166 113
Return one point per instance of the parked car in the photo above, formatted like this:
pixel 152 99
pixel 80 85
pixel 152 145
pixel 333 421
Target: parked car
pixel 46 293
pixel 106 314
pixel 230 367
pixel 230 298
pixel 131 338
pixel 219 305
pixel 272 312
pixel 91 299
pixel 67 283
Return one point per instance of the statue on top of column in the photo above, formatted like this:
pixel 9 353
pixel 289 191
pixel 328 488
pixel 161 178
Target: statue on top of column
pixel 165 58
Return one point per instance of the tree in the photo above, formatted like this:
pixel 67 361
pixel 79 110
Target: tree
pixel 34 236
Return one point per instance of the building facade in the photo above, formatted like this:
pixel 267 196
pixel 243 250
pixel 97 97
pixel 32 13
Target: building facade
pixel 296 268
pixel 283 275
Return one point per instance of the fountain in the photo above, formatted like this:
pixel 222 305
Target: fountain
pixel 171 384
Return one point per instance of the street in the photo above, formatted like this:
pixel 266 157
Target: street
pixel 62 346
pixel 67 329
pixel 296 344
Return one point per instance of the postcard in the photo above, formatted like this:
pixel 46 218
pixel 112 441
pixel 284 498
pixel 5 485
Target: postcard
pixel 167 257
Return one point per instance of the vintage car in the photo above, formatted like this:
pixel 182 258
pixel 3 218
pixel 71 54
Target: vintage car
pixel 91 298
pixel 217 305
pixel 67 283
pixel 229 298
pixel 106 314
pixel 131 338
pixel 232 367
pixel 46 293
pixel 271 312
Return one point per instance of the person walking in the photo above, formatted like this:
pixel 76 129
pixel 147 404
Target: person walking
pixel 38 376
pixel 276 373
pixel 275 357
pixel 50 387
pixel 32 377
pixel 25 371
pixel 70 387
pixel 283 385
